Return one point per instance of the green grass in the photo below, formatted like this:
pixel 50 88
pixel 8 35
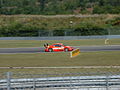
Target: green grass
pixel 39 43
pixel 111 58
pixel 60 59
pixel 22 73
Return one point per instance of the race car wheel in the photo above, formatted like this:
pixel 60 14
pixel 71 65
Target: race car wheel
pixel 50 50
pixel 66 50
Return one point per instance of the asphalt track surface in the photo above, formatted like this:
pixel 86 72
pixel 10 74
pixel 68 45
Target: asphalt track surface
pixel 41 49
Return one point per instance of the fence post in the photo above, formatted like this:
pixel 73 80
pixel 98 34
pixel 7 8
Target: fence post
pixel 107 82
pixel 39 34
pixel 51 33
pixel 8 80
pixel 34 84
pixel 65 33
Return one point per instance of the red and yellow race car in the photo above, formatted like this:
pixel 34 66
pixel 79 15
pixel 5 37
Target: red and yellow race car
pixel 57 47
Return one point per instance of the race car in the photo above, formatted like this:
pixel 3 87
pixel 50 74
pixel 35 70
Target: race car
pixel 57 47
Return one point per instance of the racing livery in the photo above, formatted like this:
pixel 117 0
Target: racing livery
pixel 57 47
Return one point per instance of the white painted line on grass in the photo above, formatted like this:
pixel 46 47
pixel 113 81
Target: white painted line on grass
pixel 71 67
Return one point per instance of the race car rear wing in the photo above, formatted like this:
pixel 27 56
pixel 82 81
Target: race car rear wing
pixel 46 45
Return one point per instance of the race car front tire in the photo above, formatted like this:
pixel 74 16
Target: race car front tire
pixel 66 49
pixel 50 50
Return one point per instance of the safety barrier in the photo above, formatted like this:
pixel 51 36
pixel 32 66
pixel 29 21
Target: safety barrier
pixel 65 81
pixel 61 37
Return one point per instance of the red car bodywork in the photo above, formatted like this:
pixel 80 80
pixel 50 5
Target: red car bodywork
pixel 58 47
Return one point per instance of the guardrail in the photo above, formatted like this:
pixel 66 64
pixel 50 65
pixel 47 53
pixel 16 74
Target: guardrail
pixel 61 37
pixel 104 82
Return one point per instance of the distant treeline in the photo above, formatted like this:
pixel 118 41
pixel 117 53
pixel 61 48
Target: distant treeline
pixel 37 25
pixel 52 7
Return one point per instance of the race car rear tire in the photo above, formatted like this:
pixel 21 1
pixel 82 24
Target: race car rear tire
pixel 66 50
pixel 50 50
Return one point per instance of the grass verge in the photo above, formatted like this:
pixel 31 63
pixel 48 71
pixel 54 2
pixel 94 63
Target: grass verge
pixel 39 43
pixel 111 58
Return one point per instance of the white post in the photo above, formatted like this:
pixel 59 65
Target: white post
pixel 8 80
pixel 34 84
pixel 106 41
pixel 107 82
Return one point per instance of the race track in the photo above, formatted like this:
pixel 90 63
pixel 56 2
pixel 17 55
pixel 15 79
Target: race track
pixel 41 49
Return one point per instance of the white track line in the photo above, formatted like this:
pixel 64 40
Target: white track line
pixel 74 67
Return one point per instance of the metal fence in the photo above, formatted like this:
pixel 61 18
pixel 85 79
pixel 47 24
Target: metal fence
pixel 67 81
